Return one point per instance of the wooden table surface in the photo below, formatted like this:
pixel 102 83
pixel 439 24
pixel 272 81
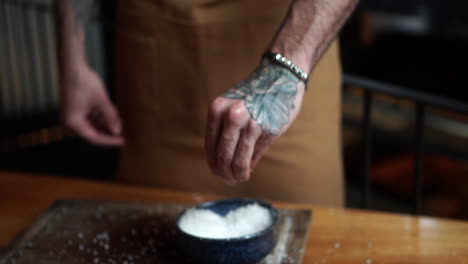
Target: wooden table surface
pixel 336 236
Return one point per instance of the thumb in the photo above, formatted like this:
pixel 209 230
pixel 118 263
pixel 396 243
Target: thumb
pixel 261 147
pixel 111 117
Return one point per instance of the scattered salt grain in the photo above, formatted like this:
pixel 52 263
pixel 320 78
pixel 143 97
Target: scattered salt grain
pixel 103 236
pixel 243 221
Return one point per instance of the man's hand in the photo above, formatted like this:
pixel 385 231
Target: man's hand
pixel 86 108
pixel 244 121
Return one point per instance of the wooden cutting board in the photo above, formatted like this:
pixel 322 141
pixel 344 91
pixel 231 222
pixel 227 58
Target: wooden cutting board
pixel 84 231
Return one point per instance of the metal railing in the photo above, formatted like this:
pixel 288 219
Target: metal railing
pixel 28 79
pixel 28 63
pixel 422 101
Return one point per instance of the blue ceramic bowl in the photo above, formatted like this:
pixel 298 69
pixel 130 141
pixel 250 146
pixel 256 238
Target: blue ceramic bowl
pixel 248 249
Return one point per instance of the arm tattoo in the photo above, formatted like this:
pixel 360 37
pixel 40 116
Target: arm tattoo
pixel 84 10
pixel 269 94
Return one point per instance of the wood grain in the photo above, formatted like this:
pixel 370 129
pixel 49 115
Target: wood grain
pixel 89 231
pixel 336 236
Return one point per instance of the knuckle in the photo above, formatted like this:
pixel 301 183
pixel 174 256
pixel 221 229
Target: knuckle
pixel 216 105
pixel 223 160
pixel 240 108
pixel 227 138
pixel 239 165
pixel 253 127
pixel 235 115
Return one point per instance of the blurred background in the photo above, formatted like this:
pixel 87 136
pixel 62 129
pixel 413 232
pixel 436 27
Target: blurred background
pixel 405 102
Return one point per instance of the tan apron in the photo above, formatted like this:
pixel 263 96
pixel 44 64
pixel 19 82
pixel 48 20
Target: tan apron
pixel 175 57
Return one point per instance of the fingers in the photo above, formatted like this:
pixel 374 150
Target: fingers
pixel 83 127
pixel 111 119
pixel 260 147
pixel 233 142
pixel 104 117
pixel 234 120
pixel 241 163
pixel 214 125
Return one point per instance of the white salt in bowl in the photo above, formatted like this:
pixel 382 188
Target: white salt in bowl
pixel 245 245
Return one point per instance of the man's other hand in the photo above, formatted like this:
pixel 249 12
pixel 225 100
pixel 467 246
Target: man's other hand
pixel 86 108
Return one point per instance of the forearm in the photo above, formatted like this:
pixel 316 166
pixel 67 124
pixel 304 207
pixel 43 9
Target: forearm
pixel 309 28
pixel 71 19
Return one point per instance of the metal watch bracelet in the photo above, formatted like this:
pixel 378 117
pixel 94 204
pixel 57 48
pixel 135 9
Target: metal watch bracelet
pixel 286 63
